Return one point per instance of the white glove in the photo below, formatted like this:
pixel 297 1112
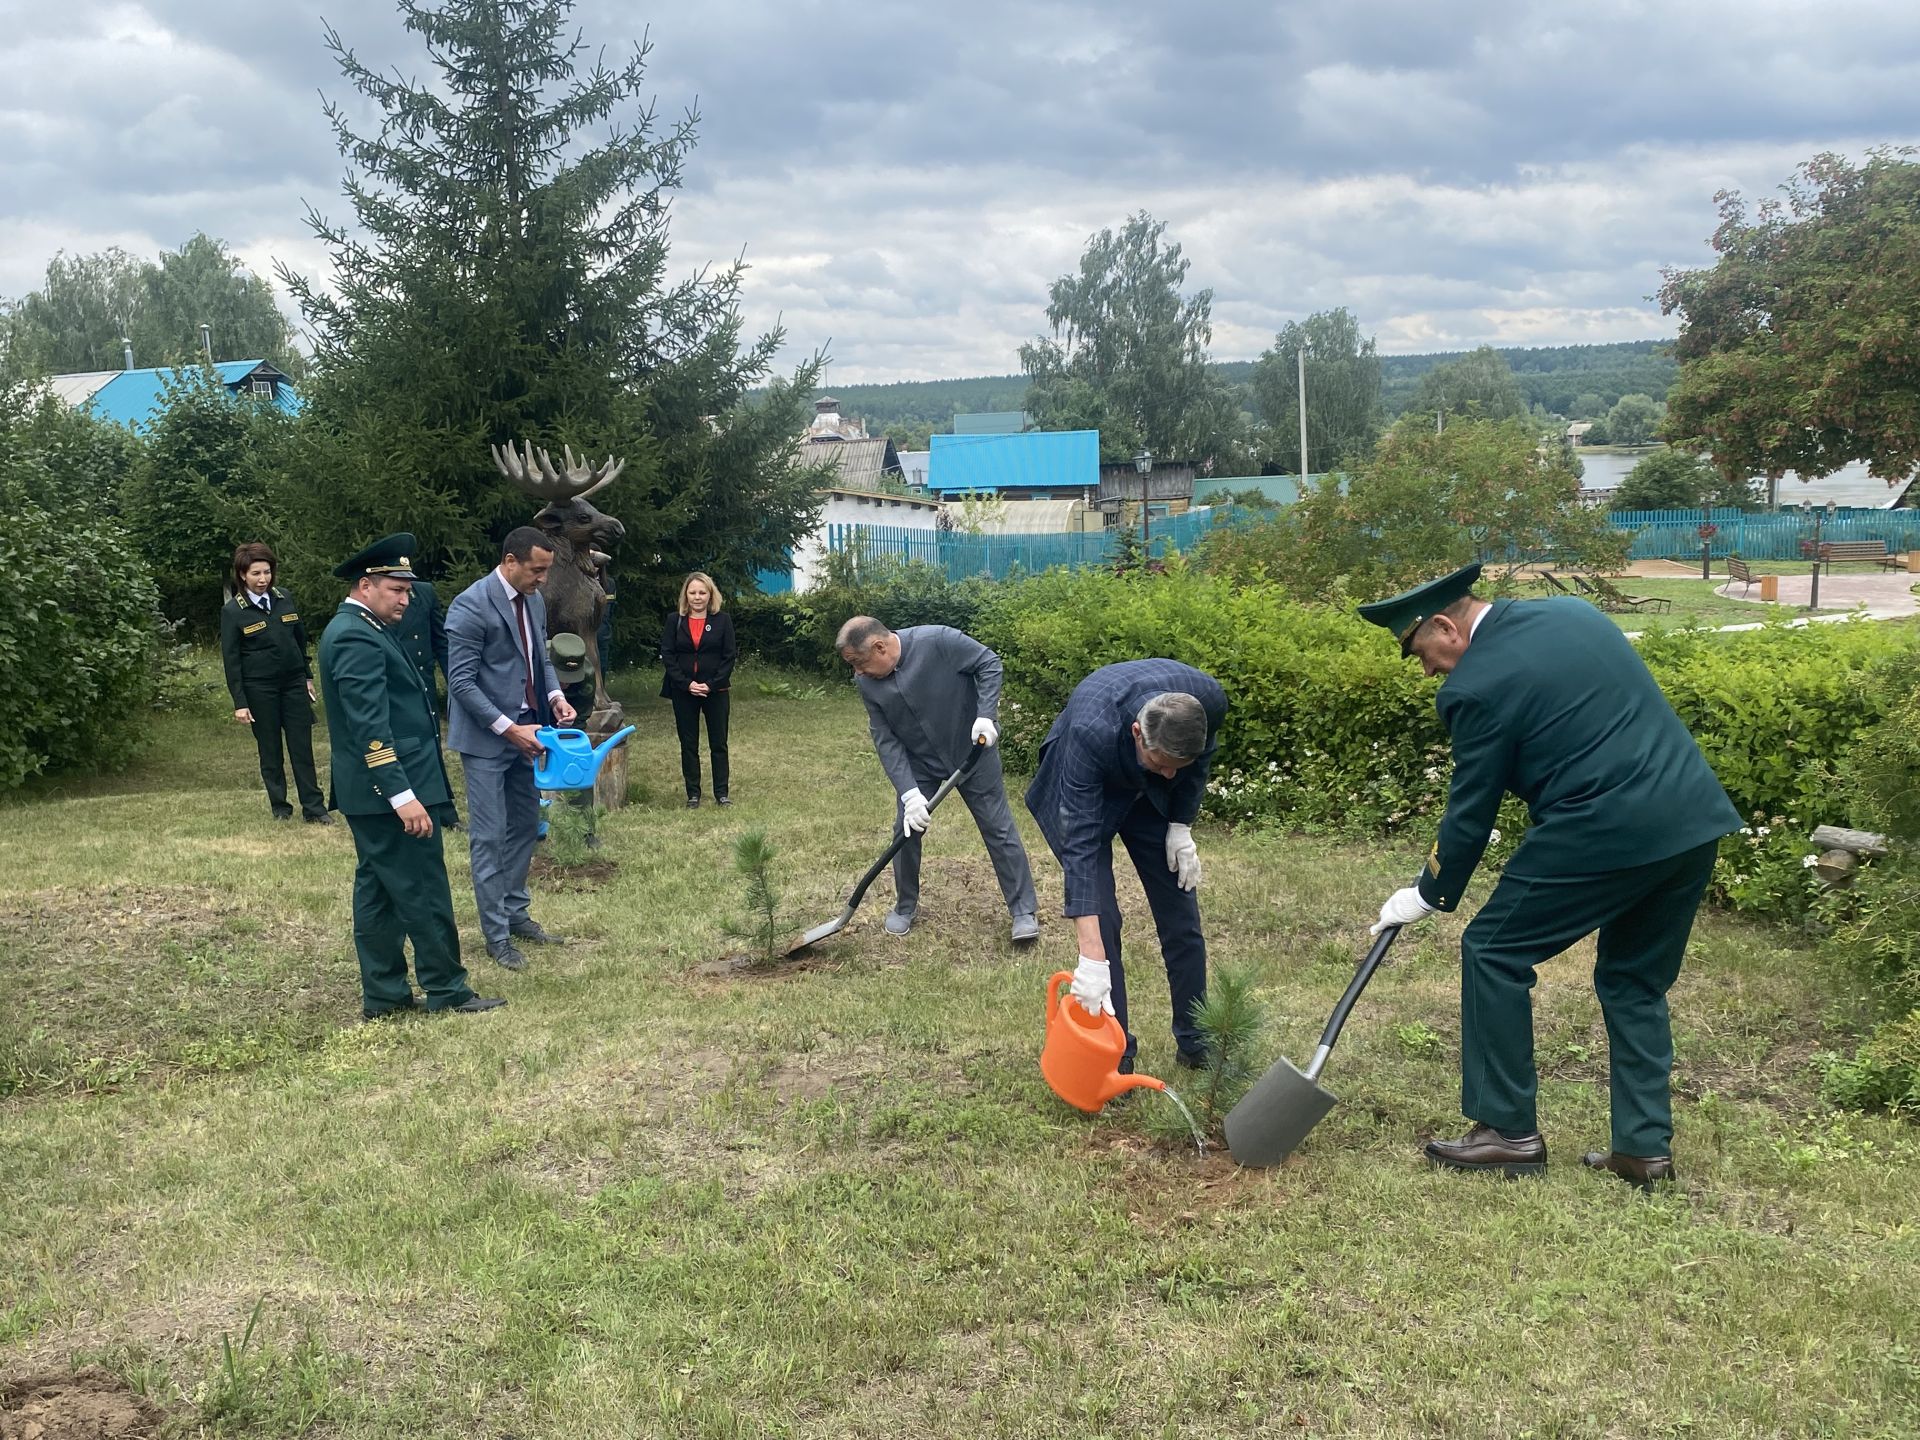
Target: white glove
pixel 1093 986
pixel 1403 907
pixel 985 729
pixel 1182 858
pixel 916 813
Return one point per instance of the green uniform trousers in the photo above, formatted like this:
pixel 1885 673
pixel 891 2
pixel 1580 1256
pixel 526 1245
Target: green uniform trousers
pixel 1644 916
pixel 281 708
pixel 400 891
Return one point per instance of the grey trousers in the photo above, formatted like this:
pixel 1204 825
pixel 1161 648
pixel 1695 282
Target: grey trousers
pixel 985 792
pixel 503 821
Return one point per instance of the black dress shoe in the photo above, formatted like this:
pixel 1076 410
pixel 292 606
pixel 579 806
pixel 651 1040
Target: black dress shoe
pixel 1485 1148
pixel 534 934
pixel 283 818
pixel 508 956
pixel 1641 1171
pixel 693 802
pixel 722 800
pixel 1191 1060
pixel 321 819
pixel 367 1017
pixel 474 1004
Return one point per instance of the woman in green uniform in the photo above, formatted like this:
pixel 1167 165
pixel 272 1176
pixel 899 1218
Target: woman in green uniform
pixel 263 647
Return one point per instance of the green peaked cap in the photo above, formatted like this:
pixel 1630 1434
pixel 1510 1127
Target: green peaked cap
pixel 569 655
pixel 391 556
pixel 1403 614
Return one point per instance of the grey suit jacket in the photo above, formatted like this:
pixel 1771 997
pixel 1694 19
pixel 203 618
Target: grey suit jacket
pixel 921 716
pixel 486 670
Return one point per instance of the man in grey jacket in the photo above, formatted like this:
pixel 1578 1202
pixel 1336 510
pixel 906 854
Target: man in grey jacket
pixel 931 694
pixel 501 688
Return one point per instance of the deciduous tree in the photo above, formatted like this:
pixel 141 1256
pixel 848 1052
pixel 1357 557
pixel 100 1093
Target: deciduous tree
pixel 1798 347
pixel 89 304
pixel 1478 383
pixel 1633 419
pixel 1127 353
pixel 1343 391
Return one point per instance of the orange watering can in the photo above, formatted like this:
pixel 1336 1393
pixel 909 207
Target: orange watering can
pixel 1081 1059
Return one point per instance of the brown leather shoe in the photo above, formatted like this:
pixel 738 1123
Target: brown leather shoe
pixel 1644 1171
pixel 1485 1148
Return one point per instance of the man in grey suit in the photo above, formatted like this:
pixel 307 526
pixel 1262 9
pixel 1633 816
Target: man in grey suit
pixel 933 693
pixel 500 688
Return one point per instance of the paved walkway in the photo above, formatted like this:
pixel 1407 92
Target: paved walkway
pixel 1879 597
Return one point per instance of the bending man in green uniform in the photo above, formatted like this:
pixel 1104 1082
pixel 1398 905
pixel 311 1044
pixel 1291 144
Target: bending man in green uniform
pixel 1548 700
pixel 391 784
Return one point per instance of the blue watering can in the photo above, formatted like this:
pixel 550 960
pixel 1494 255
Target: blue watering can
pixel 572 760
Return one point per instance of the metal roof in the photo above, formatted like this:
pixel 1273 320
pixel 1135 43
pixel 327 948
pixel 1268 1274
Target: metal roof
pixel 134 398
pixel 76 389
pixel 991 463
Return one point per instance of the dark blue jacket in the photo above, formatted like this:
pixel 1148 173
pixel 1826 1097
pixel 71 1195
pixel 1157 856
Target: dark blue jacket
pixel 1090 774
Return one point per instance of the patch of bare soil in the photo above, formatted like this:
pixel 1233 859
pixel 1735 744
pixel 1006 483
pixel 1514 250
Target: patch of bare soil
pixel 120 919
pixel 588 875
pixel 89 1404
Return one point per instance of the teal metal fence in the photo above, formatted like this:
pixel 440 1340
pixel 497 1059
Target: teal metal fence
pixel 999 556
pixel 1675 534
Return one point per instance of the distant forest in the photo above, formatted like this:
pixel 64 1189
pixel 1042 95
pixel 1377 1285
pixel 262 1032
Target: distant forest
pixel 1554 377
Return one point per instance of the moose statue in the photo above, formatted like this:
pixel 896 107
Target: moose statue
pixel 582 538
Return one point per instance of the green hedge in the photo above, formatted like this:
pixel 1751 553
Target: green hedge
pixel 80 642
pixel 1331 727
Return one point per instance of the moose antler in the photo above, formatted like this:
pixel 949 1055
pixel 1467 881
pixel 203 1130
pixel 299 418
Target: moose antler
pixel 533 473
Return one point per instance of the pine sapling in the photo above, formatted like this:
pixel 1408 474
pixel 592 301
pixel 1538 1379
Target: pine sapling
pixel 1231 1023
pixel 753 857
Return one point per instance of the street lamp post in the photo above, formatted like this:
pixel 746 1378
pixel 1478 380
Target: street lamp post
pixel 1820 514
pixel 1143 462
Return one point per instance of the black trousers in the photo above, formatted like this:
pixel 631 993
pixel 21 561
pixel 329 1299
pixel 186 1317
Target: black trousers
pixel 282 710
pixel 687 710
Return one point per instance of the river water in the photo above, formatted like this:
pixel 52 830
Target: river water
pixel 1850 485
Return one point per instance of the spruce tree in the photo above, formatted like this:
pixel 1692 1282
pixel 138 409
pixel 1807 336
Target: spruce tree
pixel 506 278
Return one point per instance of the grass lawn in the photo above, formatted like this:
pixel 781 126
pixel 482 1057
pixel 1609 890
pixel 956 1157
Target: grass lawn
pixel 647 1199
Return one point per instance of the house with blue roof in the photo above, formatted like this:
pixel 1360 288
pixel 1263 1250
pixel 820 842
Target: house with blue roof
pixel 136 398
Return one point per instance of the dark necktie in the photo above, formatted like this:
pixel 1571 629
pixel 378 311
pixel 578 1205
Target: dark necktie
pixel 526 647
pixel 264 603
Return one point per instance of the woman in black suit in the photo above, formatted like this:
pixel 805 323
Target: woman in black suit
pixel 263 648
pixel 697 649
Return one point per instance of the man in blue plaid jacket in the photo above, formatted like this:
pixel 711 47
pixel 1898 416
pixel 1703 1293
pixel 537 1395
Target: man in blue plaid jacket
pixel 1128 757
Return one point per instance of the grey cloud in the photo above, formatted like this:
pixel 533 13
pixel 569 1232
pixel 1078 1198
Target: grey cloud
pixel 908 177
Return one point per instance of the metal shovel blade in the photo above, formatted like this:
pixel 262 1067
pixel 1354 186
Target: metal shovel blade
pixel 1275 1115
pixel 1286 1103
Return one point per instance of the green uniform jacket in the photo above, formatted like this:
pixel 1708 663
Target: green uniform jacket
pixel 422 633
pixel 1551 702
pixel 381 723
pixel 265 647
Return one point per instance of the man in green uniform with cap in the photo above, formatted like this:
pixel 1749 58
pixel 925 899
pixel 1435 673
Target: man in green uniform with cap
pixel 391 784
pixel 1546 699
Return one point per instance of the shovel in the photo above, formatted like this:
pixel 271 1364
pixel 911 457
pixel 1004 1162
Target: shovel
pixel 1275 1115
pixel 839 922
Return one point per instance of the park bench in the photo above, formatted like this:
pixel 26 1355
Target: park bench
pixel 1737 569
pixel 1832 550
pixel 1555 583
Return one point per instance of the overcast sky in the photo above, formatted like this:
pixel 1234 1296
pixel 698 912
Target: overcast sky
pixel 907 176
